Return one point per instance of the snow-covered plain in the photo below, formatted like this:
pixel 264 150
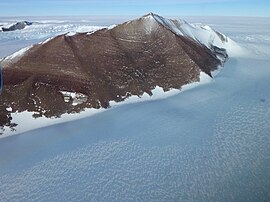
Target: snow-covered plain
pixel 209 143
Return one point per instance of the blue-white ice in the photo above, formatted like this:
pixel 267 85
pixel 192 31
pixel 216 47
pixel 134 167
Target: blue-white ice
pixel 210 143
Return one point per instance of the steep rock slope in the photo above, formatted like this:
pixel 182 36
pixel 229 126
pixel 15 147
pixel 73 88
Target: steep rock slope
pixel 70 73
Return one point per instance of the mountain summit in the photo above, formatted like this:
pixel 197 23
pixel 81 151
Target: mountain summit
pixel 88 70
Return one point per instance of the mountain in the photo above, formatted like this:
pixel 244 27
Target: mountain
pixel 17 26
pixel 88 70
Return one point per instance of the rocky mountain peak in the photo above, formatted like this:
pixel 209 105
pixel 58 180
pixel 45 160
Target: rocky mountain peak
pixel 149 15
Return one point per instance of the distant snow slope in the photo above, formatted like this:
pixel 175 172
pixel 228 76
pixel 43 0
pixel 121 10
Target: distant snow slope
pixel 201 33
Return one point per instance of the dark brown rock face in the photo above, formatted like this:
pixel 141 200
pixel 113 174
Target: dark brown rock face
pixel 110 64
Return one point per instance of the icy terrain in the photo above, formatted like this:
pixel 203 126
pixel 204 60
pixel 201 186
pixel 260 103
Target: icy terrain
pixel 210 143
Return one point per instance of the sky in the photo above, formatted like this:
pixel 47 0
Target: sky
pixel 259 8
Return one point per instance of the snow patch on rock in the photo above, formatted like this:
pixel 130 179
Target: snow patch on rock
pixel 17 55
pixel 75 98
